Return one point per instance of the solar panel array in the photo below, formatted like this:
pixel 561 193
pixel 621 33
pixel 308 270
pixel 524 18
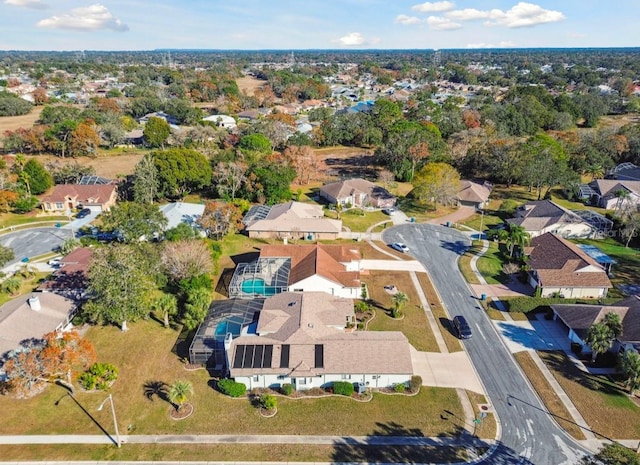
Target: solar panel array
pixel 253 356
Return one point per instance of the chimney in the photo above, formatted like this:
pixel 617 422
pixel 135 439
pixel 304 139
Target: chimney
pixel 34 303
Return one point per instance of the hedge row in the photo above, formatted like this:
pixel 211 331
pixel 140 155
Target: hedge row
pixel 231 388
pixel 528 304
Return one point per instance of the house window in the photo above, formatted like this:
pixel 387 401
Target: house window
pixel 256 378
pixel 375 377
pixel 302 380
pixel 346 376
pixel 59 205
pixel 298 290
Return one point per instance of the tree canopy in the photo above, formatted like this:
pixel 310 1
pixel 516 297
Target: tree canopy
pixel 181 171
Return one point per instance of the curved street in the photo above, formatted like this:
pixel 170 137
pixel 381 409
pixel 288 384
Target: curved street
pixel 28 243
pixel 528 434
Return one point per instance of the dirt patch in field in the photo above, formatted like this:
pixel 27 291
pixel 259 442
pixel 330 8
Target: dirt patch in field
pixel 348 162
pixel 11 123
pixel 249 84
pixel 110 166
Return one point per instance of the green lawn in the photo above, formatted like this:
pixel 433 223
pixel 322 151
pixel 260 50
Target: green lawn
pixel 625 271
pixel 490 264
pixel 359 220
pixel 14 219
pixel 605 406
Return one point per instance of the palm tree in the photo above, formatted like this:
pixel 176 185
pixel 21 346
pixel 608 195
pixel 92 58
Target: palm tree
pixel 622 195
pixel 514 236
pixel 179 393
pixel 12 285
pixel 599 338
pixel 614 323
pixel 630 365
pixel 399 299
pixel 167 305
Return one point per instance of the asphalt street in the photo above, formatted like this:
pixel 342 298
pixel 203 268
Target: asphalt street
pixel 528 433
pixel 33 242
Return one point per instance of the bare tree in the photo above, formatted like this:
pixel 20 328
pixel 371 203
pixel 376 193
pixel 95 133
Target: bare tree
pixel 186 259
pixel 230 177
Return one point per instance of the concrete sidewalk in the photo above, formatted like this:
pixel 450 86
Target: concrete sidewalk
pixel 460 441
pixel 393 265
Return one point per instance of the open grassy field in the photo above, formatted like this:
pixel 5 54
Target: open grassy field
pixel 555 407
pixel 111 164
pixel 413 322
pixel 15 219
pixel 605 406
pixel 249 84
pixel 441 316
pixel 11 123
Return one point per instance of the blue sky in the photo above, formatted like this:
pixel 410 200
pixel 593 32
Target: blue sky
pixel 318 24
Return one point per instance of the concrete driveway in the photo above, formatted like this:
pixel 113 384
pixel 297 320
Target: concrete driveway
pixel 533 335
pixel 453 370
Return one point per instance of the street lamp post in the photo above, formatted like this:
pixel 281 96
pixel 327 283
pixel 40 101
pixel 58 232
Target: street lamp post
pixel 115 420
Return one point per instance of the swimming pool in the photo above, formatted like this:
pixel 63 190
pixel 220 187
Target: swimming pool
pixel 257 286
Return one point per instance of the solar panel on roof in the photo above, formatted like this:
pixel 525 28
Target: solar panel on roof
pixel 237 360
pixel 284 356
pixel 268 355
pixel 257 359
pixel 319 352
pixel 248 356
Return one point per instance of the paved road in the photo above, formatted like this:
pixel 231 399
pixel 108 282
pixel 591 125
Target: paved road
pixel 528 434
pixel 33 242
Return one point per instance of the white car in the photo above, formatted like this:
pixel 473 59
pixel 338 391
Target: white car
pixel 400 247
pixel 389 211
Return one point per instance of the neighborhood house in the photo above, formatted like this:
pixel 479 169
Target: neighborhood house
pixel 561 268
pixel 544 216
pixel 67 197
pixel 357 193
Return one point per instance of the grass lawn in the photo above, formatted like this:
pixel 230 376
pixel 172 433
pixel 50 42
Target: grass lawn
pixel 14 219
pixel 607 409
pixel 464 263
pixel 441 316
pixel 141 362
pixel 422 212
pixel 488 427
pixel 357 222
pixel 27 287
pixel 625 271
pixel 413 323
pixel 490 264
pixel 232 453
pixel 555 407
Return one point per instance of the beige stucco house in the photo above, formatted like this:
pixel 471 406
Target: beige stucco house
pixel 66 197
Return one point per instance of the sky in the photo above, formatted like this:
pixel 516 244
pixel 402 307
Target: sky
pixel 316 24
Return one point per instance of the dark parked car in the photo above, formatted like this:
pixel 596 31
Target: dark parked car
pixel 84 212
pixel 462 327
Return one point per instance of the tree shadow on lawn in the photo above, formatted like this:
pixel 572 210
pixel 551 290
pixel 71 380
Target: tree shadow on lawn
pixel 393 443
pixel 224 282
pixel 181 347
pixel 558 361
pixel 158 389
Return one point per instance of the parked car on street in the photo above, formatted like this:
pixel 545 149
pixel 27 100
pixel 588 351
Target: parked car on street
pixel 462 327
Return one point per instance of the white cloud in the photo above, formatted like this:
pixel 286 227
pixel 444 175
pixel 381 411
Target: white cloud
pixel 430 7
pixel 90 18
pixel 502 44
pixel 525 15
pixel 351 39
pixel 35 4
pixel 404 19
pixel 468 14
pixel 521 15
pixel 442 24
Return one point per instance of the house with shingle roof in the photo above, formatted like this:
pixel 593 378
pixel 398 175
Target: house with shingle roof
pixel 357 193
pixel 64 197
pixel 473 194
pixel 293 220
pixel 303 339
pixel 542 216
pixel 578 319
pixel 559 267
pixel 606 193
pixel 71 278
pixel 334 269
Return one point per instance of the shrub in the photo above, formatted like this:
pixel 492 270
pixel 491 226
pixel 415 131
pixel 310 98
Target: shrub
pixel 508 206
pixel 400 387
pixel 231 388
pixel 527 304
pixel 99 376
pixel 415 384
pixel 343 388
pixel 361 306
pixel 268 401
pixel 287 389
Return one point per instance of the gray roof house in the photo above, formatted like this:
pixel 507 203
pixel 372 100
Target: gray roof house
pixel 473 194
pixel 294 220
pixel 357 193
pixel 578 319
pixel 306 339
pixel 542 216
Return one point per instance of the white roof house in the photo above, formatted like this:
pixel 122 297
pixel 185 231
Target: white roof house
pixel 181 212
pixel 223 121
